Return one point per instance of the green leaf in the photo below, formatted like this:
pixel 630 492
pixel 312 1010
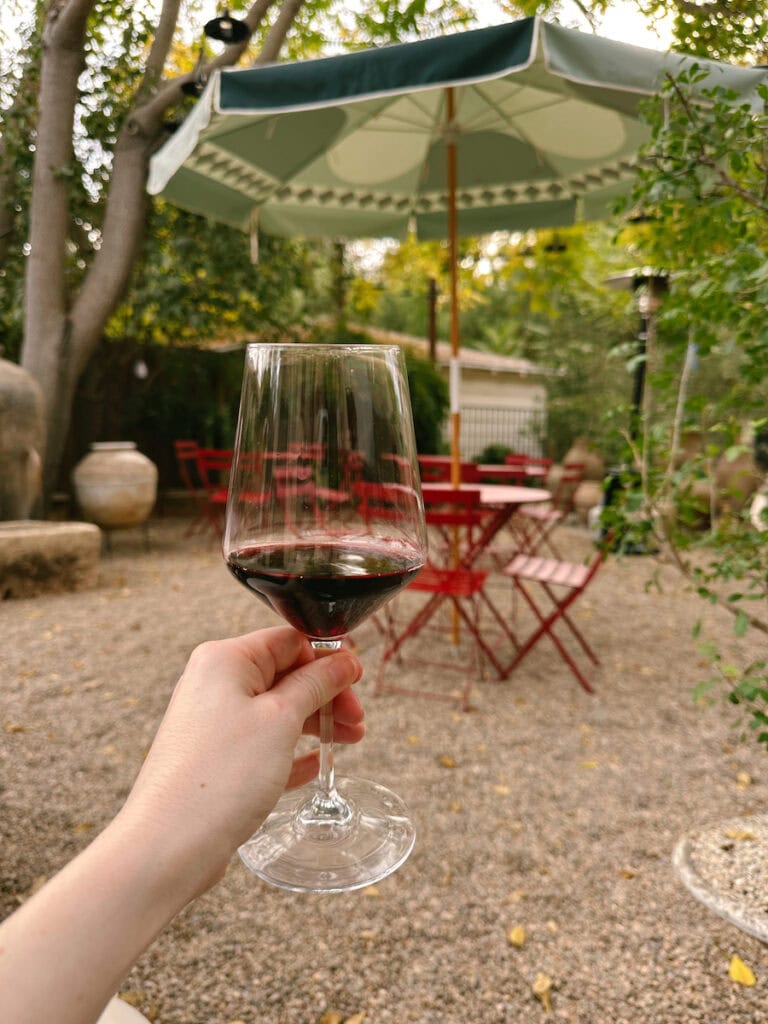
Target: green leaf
pixel 741 624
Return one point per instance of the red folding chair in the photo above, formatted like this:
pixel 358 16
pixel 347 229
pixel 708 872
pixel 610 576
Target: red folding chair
pixel 450 586
pixel 435 469
pixel 213 466
pixel 534 525
pixel 187 453
pixel 559 584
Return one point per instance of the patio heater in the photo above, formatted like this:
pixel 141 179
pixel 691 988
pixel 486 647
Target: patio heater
pixel 649 286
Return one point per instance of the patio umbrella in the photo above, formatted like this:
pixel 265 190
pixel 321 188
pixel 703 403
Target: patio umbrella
pixel 516 126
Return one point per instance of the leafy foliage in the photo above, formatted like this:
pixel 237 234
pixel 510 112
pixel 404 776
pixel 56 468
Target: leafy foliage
pixel 705 180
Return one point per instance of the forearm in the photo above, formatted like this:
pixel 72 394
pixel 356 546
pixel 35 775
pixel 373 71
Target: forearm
pixel 64 953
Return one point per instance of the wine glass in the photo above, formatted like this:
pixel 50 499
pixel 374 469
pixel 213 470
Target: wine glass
pixel 325 523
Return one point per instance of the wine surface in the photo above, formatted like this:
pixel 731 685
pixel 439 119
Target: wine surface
pixel 324 590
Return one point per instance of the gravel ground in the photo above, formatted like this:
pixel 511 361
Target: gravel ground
pixel 543 807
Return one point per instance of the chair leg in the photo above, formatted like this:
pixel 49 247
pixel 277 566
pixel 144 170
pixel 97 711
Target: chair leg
pixel 545 627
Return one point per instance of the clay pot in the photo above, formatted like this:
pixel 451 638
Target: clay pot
pixel 588 495
pixel 690 444
pixel 22 434
pixel 582 451
pixel 115 485
pixel 736 480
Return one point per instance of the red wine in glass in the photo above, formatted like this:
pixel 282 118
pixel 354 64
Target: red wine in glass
pixel 324 590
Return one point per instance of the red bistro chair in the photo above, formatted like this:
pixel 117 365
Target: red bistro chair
pixel 535 524
pixel 187 459
pixel 449 587
pixel 435 469
pixel 213 466
pixel 558 585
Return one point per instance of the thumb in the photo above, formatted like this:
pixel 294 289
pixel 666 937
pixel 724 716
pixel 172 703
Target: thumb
pixel 316 683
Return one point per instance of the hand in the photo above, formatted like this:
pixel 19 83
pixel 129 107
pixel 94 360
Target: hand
pixel 221 758
pixel 224 752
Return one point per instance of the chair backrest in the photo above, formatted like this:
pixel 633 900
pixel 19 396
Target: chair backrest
pixel 387 502
pixel 213 466
pixel 445 506
pixel 435 469
pixel 186 457
pixel 470 473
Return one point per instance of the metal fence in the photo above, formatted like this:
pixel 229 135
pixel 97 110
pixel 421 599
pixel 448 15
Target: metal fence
pixel 522 430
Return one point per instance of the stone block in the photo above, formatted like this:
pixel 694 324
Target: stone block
pixel 42 557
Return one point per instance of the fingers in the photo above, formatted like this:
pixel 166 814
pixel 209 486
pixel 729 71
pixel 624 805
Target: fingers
pixel 342 734
pixel 274 651
pixel 310 686
pixel 348 718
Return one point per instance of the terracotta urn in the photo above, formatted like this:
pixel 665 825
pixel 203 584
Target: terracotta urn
pixel 690 444
pixel 115 485
pixel 582 451
pixel 588 495
pixel 736 480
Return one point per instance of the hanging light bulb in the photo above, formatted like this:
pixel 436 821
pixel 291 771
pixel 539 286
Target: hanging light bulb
pixel 227 29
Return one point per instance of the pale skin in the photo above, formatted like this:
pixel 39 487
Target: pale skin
pixel 223 755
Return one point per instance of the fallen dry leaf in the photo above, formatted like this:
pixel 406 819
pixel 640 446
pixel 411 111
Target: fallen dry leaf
pixel 413 740
pixel 38 883
pixel 740 972
pixel 356 1018
pixel 371 890
pixel 502 790
pixel 516 895
pixel 132 996
pixel 446 761
pixel 14 727
pixel 590 764
pixel 82 826
pixel 628 873
pixel 456 807
pixel 516 936
pixel 743 779
pixel 552 926
pixel 738 833
pixel 330 1017
pixel 541 987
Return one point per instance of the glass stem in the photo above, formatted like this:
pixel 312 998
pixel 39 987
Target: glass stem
pixel 326 804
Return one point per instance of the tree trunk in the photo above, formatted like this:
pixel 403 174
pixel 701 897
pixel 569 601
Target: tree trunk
pixel 62 333
pixel 47 333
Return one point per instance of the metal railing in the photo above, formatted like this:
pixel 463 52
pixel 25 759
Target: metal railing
pixel 522 430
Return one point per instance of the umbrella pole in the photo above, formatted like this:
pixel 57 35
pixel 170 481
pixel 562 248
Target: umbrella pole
pixel 453 257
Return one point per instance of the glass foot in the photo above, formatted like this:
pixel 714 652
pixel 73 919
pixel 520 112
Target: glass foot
pixel 307 853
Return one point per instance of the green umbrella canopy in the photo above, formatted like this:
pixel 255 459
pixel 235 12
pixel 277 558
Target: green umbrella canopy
pixel 546 128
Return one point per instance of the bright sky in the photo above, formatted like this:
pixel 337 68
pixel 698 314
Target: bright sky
pixel 623 22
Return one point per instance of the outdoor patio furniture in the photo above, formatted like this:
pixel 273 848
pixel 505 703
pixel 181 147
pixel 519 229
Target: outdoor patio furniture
pixel 559 584
pixel 186 452
pixel 535 524
pixel 455 515
pixel 213 465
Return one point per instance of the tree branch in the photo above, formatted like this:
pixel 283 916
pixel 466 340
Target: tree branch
pixel 161 44
pixel 147 118
pixel 276 36
pixel 66 19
